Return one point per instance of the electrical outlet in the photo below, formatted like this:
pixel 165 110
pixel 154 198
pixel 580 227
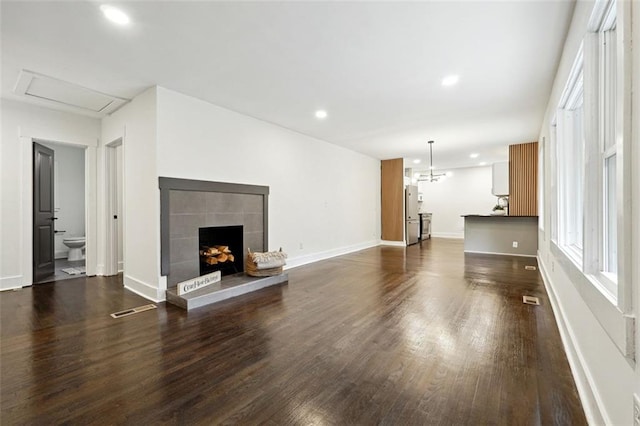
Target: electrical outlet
pixel 301 246
pixel 553 266
pixel 515 244
pixel 636 410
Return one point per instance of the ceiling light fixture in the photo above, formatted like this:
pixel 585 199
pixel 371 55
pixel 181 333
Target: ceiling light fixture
pixel 321 114
pixel 450 80
pixel 431 177
pixel 474 155
pixel 483 163
pixel 416 161
pixel 114 14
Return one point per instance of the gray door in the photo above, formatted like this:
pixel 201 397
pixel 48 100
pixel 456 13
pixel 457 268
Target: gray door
pixel 43 217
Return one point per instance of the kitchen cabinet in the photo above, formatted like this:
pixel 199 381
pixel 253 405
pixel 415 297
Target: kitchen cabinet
pixel 500 180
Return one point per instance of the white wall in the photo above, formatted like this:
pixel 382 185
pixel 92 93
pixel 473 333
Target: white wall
pixel 136 125
pixel 605 378
pixel 324 199
pixel 467 191
pixel 21 123
pixel 69 194
pixel 635 190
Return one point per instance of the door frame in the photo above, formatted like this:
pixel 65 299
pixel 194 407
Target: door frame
pixel 111 207
pixel 90 183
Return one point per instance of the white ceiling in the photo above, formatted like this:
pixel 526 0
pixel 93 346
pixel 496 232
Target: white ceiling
pixel 376 67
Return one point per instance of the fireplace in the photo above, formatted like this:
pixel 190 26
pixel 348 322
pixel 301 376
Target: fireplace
pixel 221 249
pixel 186 206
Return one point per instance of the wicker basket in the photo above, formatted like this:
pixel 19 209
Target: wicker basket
pixel 251 269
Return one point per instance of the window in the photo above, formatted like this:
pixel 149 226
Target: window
pixel 610 228
pixel 587 163
pixel 541 189
pixel 607 116
pixel 553 186
pixel 590 181
pixel 570 150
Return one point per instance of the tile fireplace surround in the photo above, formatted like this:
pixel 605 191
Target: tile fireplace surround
pixel 187 205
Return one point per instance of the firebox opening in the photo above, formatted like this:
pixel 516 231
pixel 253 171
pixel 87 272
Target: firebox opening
pixel 221 249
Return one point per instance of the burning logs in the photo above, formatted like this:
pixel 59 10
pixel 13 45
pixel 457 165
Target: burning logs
pixel 216 254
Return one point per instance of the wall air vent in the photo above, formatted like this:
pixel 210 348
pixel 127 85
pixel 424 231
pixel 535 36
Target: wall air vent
pixel 61 93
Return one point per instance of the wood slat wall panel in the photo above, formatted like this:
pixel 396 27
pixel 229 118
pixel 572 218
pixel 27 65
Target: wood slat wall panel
pixel 523 179
pixel 392 199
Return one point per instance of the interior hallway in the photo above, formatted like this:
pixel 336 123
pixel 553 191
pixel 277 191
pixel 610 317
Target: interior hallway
pixel 423 336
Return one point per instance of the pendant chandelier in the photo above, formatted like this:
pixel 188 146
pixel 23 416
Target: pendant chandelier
pixel 431 177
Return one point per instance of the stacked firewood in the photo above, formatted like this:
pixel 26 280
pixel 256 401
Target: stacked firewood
pixel 216 254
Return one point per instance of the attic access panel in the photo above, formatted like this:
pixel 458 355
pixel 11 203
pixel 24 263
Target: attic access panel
pixel 52 90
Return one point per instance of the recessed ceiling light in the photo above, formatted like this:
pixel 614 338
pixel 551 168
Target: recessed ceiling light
pixel 483 163
pixel 321 114
pixel 474 155
pixel 450 80
pixel 114 14
pixel 416 161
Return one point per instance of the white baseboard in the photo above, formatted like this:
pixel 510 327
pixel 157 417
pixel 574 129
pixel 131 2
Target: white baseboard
pixel 10 283
pixel 500 254
pixel 315 257
pixel 591 401
pixel 100 270
pixel 456 235
pixel 393 243
pixel 143 289
pixel 61 254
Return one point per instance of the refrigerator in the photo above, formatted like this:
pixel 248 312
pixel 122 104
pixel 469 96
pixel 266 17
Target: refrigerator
pixel 412 219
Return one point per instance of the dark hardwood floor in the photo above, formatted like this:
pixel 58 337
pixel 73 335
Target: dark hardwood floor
pixel 383 336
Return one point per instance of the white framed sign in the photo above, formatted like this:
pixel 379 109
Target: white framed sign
pixel 196 283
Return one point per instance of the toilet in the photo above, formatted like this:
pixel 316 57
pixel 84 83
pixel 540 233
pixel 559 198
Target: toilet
pixel 75 245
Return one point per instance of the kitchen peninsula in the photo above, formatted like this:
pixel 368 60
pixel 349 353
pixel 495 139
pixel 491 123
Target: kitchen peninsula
pixel 499 234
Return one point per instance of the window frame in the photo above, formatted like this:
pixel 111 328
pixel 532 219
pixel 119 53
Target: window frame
pixel 603 105
pixel 571 100
pixel 542 216
pixel 611 305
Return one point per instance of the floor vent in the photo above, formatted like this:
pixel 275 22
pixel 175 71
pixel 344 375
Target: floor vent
pixel 132 311
pixel 530 300
pixel 530 268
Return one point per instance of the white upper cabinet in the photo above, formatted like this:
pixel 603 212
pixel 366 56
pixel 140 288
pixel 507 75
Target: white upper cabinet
pixel 500 178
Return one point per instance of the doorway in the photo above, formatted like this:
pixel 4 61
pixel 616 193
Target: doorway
pixel 114 155
pixel 59 211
